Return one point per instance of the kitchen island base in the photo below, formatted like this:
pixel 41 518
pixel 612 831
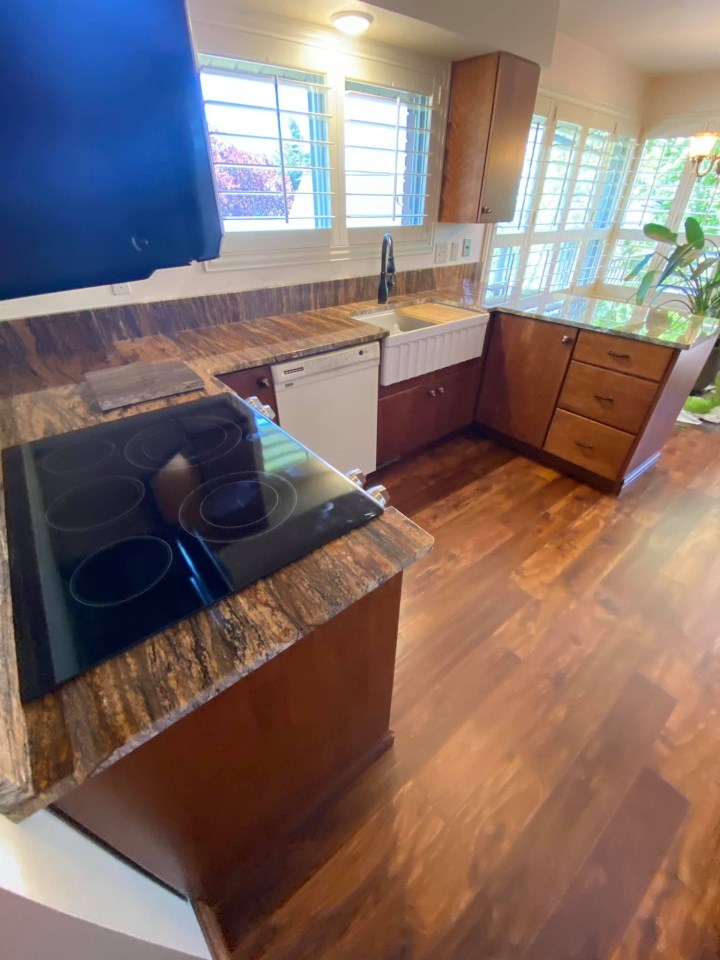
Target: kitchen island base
pixel 212 797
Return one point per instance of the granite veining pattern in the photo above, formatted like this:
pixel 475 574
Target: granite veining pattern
pixel 668 328
pixel 52 744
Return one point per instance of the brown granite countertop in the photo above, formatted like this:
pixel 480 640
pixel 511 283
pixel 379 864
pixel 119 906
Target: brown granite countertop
pixel 52 744
pixel 669 328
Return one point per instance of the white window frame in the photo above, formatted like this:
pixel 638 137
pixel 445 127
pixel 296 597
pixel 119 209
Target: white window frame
pixel 557 110
pixel 318 52
pixel 676 214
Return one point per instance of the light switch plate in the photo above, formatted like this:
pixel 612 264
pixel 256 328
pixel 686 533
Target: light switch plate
pixel 121 289
pixel 441 253
pixel 467 247
pixel 454 251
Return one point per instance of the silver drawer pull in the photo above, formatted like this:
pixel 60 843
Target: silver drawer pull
pixel 431 393
pixel 618 356
pixel 584 446
pixel 600 396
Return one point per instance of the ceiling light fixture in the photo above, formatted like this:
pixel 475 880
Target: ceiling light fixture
pixel 702 154
pixel 351 21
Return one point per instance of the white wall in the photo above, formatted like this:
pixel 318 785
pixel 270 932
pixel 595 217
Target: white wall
pixel 524 27
pixel 579 72
pixel 682 103
pixel 50 866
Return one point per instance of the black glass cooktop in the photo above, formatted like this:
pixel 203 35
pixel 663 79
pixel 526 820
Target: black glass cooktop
pixel 120 530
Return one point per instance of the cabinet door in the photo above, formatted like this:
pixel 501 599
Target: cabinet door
pixel 255 382
pixel 515 94
pixel 455 400
pixel 524 371
pixel 491 104
pixel 403 424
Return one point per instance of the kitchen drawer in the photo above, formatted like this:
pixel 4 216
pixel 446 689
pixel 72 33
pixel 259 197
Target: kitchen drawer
pixel 612 398
pixel 647 360
pixel 598 448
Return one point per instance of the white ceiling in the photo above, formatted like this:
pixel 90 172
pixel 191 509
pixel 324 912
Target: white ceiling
pixel 656 36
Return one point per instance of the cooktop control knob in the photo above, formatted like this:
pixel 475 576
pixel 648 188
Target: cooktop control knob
pixel 380 493
pixel 357 476
pixel 264 408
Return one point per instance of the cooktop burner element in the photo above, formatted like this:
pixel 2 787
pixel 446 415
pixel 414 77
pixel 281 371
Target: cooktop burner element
pixel 119 531
pixel 196 439
pixel 95 504
pixel 238 506
pixel 121 571
pixel 75 457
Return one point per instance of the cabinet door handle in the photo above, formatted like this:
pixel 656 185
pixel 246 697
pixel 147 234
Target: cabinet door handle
pixel 263 382
pixel 431 393
pixel 567 339
pixel 584 446
pixel 618 356
pixel 486 210
pixel 441 390
pixel 600 396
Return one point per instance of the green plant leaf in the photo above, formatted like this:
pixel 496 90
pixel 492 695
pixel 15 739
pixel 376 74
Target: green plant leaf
pixel 645 286
pixel 659 233
pixel 703 266
pixel 639 266
pixel 694 233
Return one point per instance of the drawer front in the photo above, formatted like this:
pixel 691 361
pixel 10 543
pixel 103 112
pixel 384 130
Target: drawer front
pixel 627 356
pixel 253 382
pixel 600 449
pixel 612 398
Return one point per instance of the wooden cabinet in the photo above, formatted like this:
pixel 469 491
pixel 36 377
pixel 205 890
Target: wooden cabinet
pixel 414 413
pixel 594 446
pixel 648 360
pixel 253 382
pixel 491 105
pixel 525 366
pixel 596 405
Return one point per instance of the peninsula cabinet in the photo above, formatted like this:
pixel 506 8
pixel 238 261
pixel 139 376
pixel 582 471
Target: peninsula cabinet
pixel 491 106
pixel 596 405
pixel 526 363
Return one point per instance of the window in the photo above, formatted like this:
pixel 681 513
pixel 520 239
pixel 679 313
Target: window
pixel 574 169
pixel 662 189
pixel 387 147
pixel 269 144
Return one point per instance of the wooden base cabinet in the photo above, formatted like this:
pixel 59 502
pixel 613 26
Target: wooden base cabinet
pixel 416 412
pixel 213 799
pixel 596 405
pixel 253 382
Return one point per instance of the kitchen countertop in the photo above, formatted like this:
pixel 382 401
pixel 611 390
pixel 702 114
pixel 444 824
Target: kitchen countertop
pixel 53 744
pixel 57 742
pixel 665 327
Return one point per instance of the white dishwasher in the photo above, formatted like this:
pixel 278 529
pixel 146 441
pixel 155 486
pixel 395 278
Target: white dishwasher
pixel 329 402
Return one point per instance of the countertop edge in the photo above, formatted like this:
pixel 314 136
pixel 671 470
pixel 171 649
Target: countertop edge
pixel 402 543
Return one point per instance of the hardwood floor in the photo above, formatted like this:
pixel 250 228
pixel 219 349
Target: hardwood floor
pixel 554 788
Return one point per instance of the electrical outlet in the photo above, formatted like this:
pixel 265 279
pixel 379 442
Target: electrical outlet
pixel 467 247
pixel 441 253
pixel 121 289
pixel 454 250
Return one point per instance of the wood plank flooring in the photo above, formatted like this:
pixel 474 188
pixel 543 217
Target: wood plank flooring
pixel 554 788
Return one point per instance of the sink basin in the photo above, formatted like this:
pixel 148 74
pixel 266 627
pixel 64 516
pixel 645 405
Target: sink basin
pixel 416 346
pixel 395 322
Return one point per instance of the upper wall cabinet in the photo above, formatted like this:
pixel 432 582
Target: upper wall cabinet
pixel 491 106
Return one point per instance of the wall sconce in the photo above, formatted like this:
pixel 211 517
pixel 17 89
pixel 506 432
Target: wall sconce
pixel 702 156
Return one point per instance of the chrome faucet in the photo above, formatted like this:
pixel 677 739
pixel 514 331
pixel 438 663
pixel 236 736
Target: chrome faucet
pixel 387 269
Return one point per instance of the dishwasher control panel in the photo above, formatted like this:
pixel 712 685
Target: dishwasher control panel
pixel 324 362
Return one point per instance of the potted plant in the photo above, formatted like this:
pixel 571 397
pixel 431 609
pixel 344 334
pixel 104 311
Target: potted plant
pixel 690 271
